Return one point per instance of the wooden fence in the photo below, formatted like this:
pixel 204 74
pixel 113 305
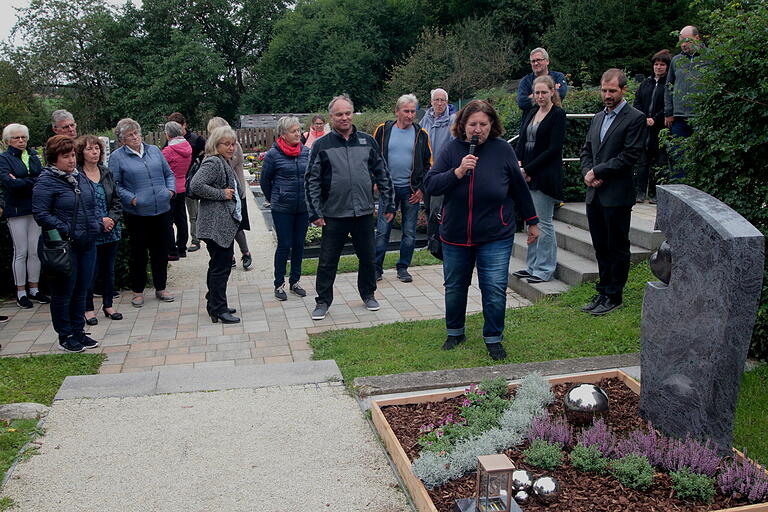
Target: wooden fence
pixel 252 139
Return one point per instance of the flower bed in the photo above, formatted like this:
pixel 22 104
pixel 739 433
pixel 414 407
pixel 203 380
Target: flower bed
pixel 399 422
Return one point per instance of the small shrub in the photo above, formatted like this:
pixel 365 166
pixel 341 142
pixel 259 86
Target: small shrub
pixel 691 454
pixel 313 233
pixel 599 436
pixel 691 486
pixel 543 455
pixel 633 471
pixel 743 477
pixel 555 431
pixel 644 443
pixel 588 458
pixel 495 387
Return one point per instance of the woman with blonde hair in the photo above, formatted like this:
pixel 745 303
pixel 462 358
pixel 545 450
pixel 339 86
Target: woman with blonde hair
pixel 237 164
pixel 219 219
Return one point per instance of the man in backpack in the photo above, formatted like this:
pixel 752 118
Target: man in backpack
pixel 198 152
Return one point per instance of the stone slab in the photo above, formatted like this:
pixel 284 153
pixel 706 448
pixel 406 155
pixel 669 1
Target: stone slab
pixel 437 379
pixel 109 385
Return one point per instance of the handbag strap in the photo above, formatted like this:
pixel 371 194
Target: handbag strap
pixel 74 216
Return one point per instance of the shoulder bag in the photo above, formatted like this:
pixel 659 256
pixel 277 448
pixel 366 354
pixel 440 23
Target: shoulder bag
pixel 56 255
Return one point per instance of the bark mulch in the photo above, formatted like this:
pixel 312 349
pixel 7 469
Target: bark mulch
pixel 580 492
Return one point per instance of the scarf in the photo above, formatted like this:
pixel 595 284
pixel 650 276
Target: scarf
pixel 288 150
pixel 71 177
pixel 313 135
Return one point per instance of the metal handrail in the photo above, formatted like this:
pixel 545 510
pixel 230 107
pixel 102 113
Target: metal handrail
pixel 571 116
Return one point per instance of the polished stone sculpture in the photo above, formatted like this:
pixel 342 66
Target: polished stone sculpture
pixel 585 403
pixel 695 330
pixel 546 489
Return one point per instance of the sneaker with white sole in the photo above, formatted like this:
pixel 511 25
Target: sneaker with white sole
pixel 298 290
pixel 280 293
pixel 71 345
pixel 321 309
pixel 371 304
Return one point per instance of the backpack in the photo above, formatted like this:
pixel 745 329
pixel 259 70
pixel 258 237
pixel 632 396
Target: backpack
pixel 191 174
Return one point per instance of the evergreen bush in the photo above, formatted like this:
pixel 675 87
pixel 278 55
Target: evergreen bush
pixel 633 471
pixel 543 455
pixel 588 458
pixel 692 486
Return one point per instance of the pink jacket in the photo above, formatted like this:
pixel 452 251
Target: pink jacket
pixel 178 153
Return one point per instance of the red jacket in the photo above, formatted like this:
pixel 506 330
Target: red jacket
pixel 179 157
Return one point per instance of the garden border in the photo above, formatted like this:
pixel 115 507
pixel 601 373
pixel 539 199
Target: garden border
pixel 414 485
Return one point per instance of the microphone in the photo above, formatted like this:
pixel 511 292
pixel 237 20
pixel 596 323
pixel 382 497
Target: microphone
pixel 472 147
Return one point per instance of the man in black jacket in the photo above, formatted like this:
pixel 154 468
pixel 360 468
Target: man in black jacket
pixel 405 147
pixel 343 168
pixel 614 143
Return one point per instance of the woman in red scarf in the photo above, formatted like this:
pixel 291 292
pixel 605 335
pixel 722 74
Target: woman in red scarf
pixel 316 130
pixel 282 181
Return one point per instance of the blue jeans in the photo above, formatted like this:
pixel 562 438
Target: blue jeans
pixel 542 255
pixel 679 129
pixel 492 260
pixel 104 272
pixel 68 294
pixel 291 229
pixel 384 228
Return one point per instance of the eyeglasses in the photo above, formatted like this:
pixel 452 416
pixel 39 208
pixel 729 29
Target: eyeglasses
pixel 319 123
pixel 227 144
pixel 536 61
pixel 68 126
pixel 19 137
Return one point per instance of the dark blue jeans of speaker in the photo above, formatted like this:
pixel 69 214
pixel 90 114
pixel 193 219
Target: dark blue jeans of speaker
pixel 492 262
pixel 291 229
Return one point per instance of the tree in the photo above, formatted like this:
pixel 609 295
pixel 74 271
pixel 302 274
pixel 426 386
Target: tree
pixel 19 104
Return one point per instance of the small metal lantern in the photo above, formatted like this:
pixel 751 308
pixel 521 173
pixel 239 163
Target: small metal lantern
pixel 494 483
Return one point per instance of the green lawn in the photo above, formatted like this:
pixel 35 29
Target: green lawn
pixel 348 263
pixel 751 425
pixel 34 379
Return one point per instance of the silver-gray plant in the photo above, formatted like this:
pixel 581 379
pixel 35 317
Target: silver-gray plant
pixel 533 395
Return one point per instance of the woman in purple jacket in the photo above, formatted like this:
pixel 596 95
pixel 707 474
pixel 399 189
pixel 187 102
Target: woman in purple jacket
pixel 480 179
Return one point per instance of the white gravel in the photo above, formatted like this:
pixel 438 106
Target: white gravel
pixel 299 448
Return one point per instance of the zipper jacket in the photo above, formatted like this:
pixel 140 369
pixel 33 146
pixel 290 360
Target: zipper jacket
pixel 18 181
pixel 148 179
pixel 282 180
pixel 422 152
pixel 480 207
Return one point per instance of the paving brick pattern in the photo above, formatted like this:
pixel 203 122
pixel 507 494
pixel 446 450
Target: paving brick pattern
pixel 181 334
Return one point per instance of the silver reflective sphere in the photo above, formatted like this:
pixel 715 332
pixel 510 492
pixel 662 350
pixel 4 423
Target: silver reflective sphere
pixel 521 480
pixel 546 489
pixel 522 497
pixel 661 262
pixel 584 403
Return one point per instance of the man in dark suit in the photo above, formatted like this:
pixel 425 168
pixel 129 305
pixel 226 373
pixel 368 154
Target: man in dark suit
pixel 614 143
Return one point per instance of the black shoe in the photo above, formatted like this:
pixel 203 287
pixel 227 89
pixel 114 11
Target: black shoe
pixel 298 290
pixel 182 254
pixel 116 294
pixel 3 319
pixel 231 311
pixel 194 247
pixel 226 318
pixel 606 307
pixel 112 316
pixel 71 345
pixel 40 298
pixel 521 274
pixel 92 321
pixel 379 275
pixel 280 293
pixel 23 302
pixel 596 301
pixel 173 257
pixel 496 351
pixel 403 275
pixel 247 262
pixel 234 262
pixel 88 342
pixel 452 341
pixel 321 309
pixel 535 279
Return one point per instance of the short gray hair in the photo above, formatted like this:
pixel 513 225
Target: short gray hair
pixel 173 129
pixel 13 128
pixel 60 115
pixel 435 91
pixel 404 99
pixel 216 122
pixel 216 136
pixel 344 97
pixel 125 126
pixel 542 51
pixel 285 123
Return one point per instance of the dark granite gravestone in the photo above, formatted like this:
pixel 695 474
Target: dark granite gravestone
pixel 695 331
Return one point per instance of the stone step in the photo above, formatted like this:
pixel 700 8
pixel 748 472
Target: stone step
pixel 577 240
pixel 642 230
pixel 571 269
pixel 533 292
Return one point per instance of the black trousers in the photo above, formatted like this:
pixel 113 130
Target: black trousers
pixel 177 244
pixel 335 234
pixel 609 227
pixel 219 268
pixel 147 234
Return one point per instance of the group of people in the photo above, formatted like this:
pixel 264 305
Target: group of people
pixel 469 177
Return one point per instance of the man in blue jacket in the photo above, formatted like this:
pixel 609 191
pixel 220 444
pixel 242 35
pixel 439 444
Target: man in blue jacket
pixel 405 147
pixel 343 168
pixel 540 67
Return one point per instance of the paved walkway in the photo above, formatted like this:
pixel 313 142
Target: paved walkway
pixel 181 334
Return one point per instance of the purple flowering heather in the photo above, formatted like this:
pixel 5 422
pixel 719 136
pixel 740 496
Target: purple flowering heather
pixel 641 442
pixel 744 477
pixel 699 458
pixel 599 436
pixel 556 431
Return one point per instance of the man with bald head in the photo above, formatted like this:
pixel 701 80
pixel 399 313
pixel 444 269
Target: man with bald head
pixel 682 82
pixel 63 123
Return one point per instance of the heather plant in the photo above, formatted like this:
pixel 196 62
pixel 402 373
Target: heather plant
pixel 633 471
pixel 543 455
pixel 551 430
pixel 599 436
pixel 692 486
pixel 743 477
pixel 644 443
pixel 588 458
pixel 691 454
